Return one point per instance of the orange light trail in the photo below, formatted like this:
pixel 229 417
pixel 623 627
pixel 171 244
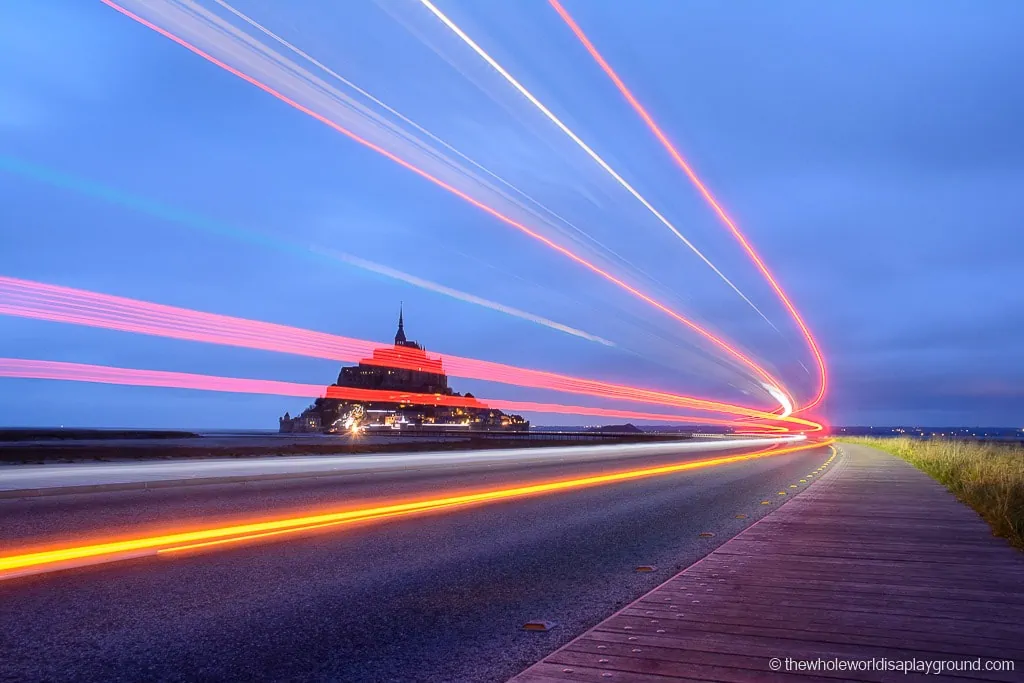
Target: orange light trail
pixel 708 197
pixel 105 374
pixel 55 303
pixel 723 345
pixel 65 557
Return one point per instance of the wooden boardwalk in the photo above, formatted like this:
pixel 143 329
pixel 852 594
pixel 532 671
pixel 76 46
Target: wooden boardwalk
pixel 874 561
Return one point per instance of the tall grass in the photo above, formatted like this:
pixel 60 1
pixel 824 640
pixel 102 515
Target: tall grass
pixel 988 477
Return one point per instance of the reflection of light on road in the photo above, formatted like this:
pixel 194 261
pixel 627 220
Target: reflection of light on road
pixel 74 556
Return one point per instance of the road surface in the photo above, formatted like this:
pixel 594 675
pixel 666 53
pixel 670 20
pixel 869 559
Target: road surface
pixel 435 597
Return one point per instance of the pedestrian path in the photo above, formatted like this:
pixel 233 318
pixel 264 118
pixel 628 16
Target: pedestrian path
pixel 873 569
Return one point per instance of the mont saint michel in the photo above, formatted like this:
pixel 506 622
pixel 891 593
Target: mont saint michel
pixel 381 382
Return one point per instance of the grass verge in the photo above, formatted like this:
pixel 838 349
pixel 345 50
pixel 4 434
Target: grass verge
pixel 988 477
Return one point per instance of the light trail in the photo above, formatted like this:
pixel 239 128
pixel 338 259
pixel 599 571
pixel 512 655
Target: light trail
pixel 104 374
pixel 21 563
pixel 787 407
pixel 708 197
pixel 55 303
pixel 430 286
pixel 406 120
pixel 546 213
pixel 454 28
pixel 197 222
pixel 729 349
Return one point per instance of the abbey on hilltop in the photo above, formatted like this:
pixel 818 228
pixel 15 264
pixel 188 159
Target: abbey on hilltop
pixel 369 396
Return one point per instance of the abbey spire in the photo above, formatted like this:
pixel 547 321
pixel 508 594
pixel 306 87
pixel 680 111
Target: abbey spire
pixel 400 335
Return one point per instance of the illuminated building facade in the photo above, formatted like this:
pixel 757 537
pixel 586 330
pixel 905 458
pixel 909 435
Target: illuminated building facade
pixel 404 367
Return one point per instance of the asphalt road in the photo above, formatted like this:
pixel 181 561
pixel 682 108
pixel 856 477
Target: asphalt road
pixel 436 597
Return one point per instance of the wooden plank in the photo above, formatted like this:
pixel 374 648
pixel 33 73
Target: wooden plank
pixel 967 615
pixel 924 587
pixel 729 564
pixel 698 664
pixel 756 597
pixel 729 667
pixel 545 672
pixel 881 631
pixel 805 582
pixel 828 619
pixel 785 637
pixel 872 559
pixel 756 646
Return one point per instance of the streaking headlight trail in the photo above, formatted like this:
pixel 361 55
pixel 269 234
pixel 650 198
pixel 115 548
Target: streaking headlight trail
pixel 582 145
pixel 105 374
pixel 729 349
pixel 55 303
pixel 417 127
pixel 193 221
pixel 428 285
pixel 706 194
pixel 787 407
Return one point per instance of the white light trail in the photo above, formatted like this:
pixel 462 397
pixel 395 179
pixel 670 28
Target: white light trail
pixel 584 146
pixel 780 396
pixel 422 283
pixel 43 476
pixel 243 54
pixel 405 119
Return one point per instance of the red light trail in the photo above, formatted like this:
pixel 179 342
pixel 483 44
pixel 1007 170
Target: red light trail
pixel 55 303
pixel 708 197
pixel 104 374
pixel 729 349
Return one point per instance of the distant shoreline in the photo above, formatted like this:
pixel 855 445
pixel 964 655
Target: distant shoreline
pixel 76 434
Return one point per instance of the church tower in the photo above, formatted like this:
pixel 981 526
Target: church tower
pixel 400 335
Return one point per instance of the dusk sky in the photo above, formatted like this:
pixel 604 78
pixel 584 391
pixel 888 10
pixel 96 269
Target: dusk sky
pixel 872 152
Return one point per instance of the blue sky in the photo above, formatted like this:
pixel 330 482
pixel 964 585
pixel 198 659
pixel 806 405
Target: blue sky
pixel 871 151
